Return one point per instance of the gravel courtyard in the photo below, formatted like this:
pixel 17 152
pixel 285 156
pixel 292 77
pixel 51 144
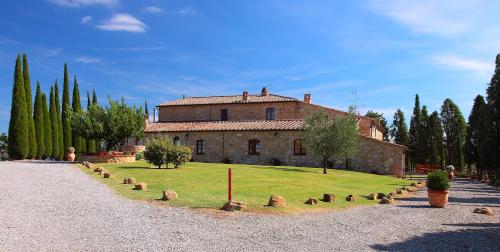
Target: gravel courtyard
pixel 56 207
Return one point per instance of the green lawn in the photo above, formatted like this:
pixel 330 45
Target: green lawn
pixel 204 185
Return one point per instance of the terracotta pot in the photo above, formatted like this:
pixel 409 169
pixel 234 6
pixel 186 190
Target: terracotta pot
pixel 437 198
pixel 70 156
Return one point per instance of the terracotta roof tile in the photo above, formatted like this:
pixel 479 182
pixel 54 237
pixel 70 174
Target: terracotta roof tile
pixel 226 100
pixel 224 126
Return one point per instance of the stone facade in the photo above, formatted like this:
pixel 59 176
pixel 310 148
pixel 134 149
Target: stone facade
pixel 197 121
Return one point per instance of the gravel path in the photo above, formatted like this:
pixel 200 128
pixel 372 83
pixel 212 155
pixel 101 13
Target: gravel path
pixel 56 207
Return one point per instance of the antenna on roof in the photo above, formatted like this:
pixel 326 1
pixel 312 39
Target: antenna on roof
pixel 355 94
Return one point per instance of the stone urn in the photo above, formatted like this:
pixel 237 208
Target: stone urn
pixel 70 154
pixel 451 175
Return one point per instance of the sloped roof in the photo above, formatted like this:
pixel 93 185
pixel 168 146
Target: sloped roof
pixel 205 100
pixel 224 126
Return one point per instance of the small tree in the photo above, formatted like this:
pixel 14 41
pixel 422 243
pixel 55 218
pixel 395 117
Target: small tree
pixel 330 138
pixel 157 152
pixel 111 124
pixel 180 155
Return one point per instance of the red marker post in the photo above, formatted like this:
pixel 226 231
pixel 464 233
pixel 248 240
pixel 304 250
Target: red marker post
pixel 230 184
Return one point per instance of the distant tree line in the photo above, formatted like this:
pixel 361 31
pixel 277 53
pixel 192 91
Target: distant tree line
pixel 44 129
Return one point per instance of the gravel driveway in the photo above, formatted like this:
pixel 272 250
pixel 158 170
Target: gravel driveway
pixel 56 207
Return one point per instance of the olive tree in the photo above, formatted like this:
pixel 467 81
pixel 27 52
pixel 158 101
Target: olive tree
pixel 330 138
pixel 111 124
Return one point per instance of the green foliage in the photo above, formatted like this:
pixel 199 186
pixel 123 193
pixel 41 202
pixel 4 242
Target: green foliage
pixel 18 125
pixel 438 181
pixel 62 150
pixel 3 142
pixel 330 138
pixel 493 101
pixel 111 124
pixel 54 124
pixel 399 131
pixel 180 155
pixel 77 107
pixel 413 146
pixel 146 112
pixel 435 139
pixel 39 123
pixel 162 151
pixel 90 142
pixel 29 106
pixel 157 152
pixel 47 135
pixel 454 128
pixel 383 123
pixel 66 112
pixel 139 155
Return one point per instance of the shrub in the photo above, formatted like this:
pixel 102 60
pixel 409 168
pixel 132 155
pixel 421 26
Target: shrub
pixel 157 151
pixel 180 155
pixel 438 181
pixel 275 162
pixel 139 155
pixel 226 160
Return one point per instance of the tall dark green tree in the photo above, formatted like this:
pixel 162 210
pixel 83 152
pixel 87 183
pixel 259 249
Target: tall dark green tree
pixel 38 117
pixel 94 98
pixel 96 103
pixel 454 128
pixel 413 146
pixel 62 150
pixel 47 134
pixel 54 122
pixel 423 137
pixel 435 139
pixel 29 106
pixel 377 116
pixel 146 111
pixel 66 112
pixel 90 142
pixel 493 98
pixel 471 140
pixel 18 125
pixel 78 143
pixel 399 131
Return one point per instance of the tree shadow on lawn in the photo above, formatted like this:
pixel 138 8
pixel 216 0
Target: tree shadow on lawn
pixel 283 169
pixel 479 237
pixel 144 168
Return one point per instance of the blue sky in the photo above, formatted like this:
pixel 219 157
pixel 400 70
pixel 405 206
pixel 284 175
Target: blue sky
pixel 160 50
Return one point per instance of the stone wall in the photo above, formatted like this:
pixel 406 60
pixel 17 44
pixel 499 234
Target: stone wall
pixel 108 159
pixel 373 155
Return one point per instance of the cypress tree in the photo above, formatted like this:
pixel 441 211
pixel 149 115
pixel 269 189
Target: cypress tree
pixel 54 124
pixel 62 150
pixel 18 125
pixel 435 139
pixel 423 136
pixel 66 112
pixel 413 146
pixel 47 134
pixel 95 102
pixel 493 98
pixel 90 142
pixel 38 117
pixel 77 107
pixel 471 140
pixel 29 106
pixel 146 112
pixel 94 98
pixel 399 131
pixel 454 128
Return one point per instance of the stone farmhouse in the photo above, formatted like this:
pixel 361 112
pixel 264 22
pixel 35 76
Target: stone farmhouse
pixel 265 129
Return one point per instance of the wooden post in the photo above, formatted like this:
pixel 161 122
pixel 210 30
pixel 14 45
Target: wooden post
pixel 230 184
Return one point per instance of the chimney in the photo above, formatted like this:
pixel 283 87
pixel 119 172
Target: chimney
pixel 264 92
pixel 245 95
pixel 307 98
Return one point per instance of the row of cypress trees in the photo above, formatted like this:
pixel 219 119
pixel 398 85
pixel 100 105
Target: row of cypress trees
pixel 43 130
pixel 482 146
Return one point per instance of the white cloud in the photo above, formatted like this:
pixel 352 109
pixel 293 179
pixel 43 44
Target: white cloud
pixel 53 52
pixel 456 62
pixel 152 9
pixel 187 11
pixel 78 3
pixel 123 22
pixel 87 60
pixel 85 19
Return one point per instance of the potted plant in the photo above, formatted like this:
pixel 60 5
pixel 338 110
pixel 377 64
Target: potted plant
pixel 70 154
pixel 437 188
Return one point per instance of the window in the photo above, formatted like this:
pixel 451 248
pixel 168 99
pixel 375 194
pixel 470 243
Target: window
pixel 254 147
pixel 269 113
pixel 199 147
pixel 223 115
pixel 177 141
pixel 298 148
